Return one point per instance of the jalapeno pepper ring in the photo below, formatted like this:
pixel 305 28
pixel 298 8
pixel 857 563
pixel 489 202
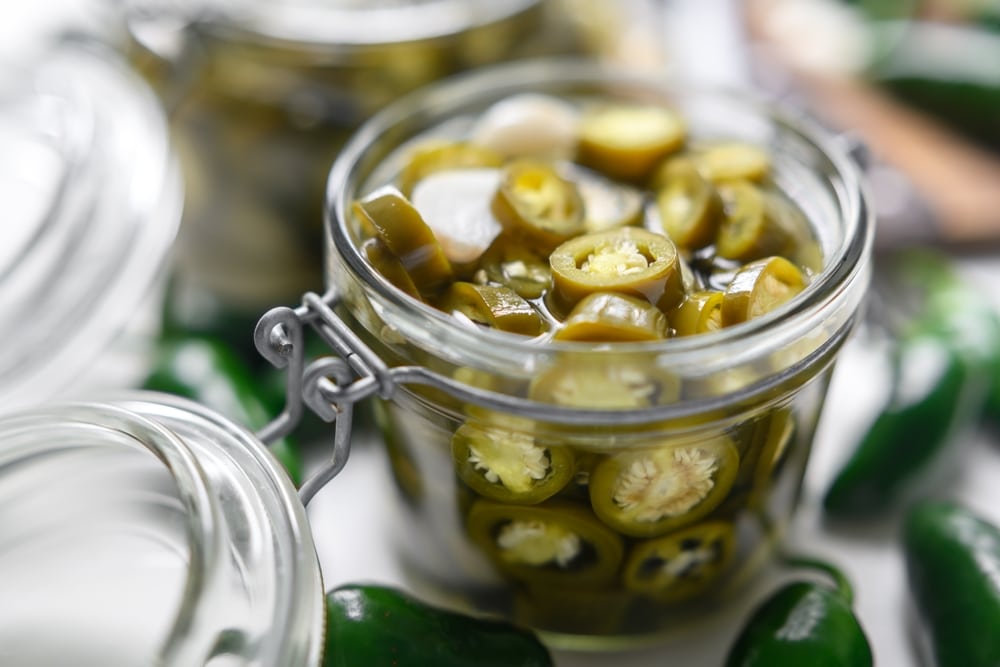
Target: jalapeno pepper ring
pixel 682 565
pixel 628 260
pixel 609 317
pixel 391 217
pixel 651 491
pixel 537 206
pixel 556 543
pixel 507 464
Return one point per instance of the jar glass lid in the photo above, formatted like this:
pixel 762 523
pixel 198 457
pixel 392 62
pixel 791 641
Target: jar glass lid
pixel 148 530
pixel 92 202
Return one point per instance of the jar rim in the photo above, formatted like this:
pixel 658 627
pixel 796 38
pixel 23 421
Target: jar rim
pixel 838 270
pixel 252 573
pixel 322 24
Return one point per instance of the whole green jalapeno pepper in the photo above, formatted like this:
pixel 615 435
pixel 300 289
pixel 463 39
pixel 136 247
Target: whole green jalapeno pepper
pixel 378 626
pixel 804 623
pixel 956 336
pixel 206 370
pixel 952 561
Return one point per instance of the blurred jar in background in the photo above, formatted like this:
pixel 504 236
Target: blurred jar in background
pixel 263 93
pixel 92 200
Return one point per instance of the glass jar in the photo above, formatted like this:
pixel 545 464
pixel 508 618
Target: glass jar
pixel 263 94
pixel 561 558
pixel 147 530
pixel 92 202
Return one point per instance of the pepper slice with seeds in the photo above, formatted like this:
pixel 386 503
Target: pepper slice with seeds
pixel 537 206
pixel 700 312
pixel 628 260
pixel 610 317
pixel 649 492
pixel 555 543
pixel 760 287
pixel 606 384
pixel 495 306
pixel 682 565
pixel 509 263
pixel 387 214
pixel 389 266
pixel 733 160
pixel 627 142
pixel 750 227
pixel 505 462
pixel 689 206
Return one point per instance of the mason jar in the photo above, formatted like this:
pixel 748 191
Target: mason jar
pixel 92 200
pixel 599 492
pixel 146 530
pixel 263 94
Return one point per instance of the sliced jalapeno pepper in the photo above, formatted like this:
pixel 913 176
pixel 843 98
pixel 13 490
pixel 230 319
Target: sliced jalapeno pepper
pixel 610 317
pixel 627 142
pixel 495 306
pixel 439 156
pixel 603 385
pixel 733 161
pixel 700 312
pixel 390 216
pixel 558 544
pixel 505 462
pixel 682 565
pixel 649 492
pixel 690 209
pixel 749 229
pixel 509 263
pixel 389 266
pixel 760 287
pixel 780 433
pixel 537 206
pixel 628 260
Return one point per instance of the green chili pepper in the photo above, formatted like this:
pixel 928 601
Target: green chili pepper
pixel 378 626
pixel 206 370
pixel 936 68
pixel 804 623
pixel 944 365
pixel 952 561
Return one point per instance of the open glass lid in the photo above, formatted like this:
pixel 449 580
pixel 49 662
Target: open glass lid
pixel 92 201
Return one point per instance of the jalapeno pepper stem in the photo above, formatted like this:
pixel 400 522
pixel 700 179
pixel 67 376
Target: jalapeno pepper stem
pixel 840 581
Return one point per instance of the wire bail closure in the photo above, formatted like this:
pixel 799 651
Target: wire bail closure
pixel 330 386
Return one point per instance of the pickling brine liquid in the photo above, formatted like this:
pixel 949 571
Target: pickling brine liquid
pixel 654 261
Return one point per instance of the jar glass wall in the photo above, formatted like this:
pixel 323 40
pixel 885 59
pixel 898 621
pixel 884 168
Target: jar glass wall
pixel 148 530
pixel 564 557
